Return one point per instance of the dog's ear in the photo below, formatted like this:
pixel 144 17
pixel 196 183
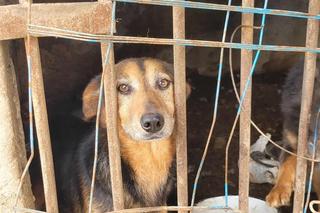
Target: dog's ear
pixel 169 68
pixel 90 99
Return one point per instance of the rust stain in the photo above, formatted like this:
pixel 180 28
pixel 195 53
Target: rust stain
pixel 88 17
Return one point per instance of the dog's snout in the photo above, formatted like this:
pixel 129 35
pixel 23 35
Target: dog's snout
pixel 152 122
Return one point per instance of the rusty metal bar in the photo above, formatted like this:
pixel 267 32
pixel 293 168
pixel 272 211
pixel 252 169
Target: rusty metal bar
pixel 222 7
pixel 112 129
pixel 42 127
pixel 85 17
pixel 41 116
pixel 44 31
pixel 306 101
pixel 111 105
pixel 245 116
pixel 179 58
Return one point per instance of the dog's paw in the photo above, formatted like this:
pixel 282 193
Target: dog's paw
pixel 279 196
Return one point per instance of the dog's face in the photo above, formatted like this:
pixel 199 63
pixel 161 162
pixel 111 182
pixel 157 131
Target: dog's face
pixel 145 99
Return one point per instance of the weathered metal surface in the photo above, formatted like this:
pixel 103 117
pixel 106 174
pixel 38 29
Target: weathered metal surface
pixel 42 127
pixel 111 100
pixel 86 17
pixel 112 128
pixel 245 116
pixel 37 31
pixel 307 93
pixel 179 58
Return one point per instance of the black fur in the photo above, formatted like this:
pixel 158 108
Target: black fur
pixel 75 175
pixel 291 101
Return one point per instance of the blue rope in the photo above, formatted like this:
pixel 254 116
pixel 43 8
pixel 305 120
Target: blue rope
pixel 249 80
pixel 215 105
pixel 263 20
pixel 31 138
pixel 211 6
pixel 219 83
pixel 314 146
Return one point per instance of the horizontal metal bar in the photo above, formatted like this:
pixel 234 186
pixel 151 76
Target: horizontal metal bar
pixel 44 31
pixel 90 17
pixel 211 6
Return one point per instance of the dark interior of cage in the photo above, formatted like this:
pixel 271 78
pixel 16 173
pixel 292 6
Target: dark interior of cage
pixel 69 65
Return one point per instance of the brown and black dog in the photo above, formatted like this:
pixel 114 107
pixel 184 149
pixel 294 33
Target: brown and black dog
pixel 291 101
pixel 146 125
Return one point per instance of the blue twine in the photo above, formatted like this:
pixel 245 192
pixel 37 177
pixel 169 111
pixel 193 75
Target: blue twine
pixel 31 138
pixel 219 83
pixel 263 20
pixel 215 103
pixel 226 194
pixel 314 146
pixel 211 6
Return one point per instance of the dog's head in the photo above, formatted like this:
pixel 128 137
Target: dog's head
pixel 146 110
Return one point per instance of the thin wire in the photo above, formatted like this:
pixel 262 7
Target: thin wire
pixel 312 203
pixel 238 98
pixel 105 64
pixel 96 139
pixel 312 160
pixel 37 30
pixel 30 106
pixel 204 155
pixel 244 93
pixel 211 6
pixel 314 146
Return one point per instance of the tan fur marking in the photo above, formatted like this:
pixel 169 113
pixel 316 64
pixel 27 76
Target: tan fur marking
pixel 281 192
pixel 90 99
pixel 290 137
pixel 150 162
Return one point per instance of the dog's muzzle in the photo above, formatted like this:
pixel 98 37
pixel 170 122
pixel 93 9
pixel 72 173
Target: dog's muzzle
pixel 152 122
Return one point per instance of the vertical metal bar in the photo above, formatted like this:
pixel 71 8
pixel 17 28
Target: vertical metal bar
pixel 179 57
pixel 112 129
pixel 41 121
pixel 306 101
pixel 42 127
pixel 111 103
pixel 245 131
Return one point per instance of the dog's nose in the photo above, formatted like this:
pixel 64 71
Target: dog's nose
pixel 152 122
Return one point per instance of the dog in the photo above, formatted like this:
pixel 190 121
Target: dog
pixel 146 129
pixel 280 194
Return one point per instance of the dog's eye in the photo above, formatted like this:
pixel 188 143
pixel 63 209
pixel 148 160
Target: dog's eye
pixel 163 83
pixel 124 89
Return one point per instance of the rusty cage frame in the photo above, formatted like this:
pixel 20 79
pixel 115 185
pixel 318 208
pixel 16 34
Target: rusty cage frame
pixel 95 22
